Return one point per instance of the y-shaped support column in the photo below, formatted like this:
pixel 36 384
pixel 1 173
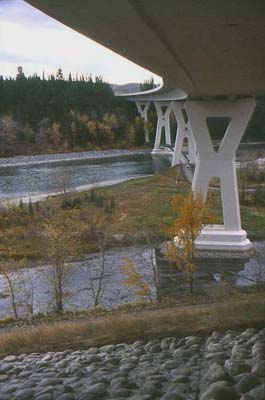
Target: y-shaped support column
pixel 163 109
pixel 183 132
pixel 220 164
pixel 142 107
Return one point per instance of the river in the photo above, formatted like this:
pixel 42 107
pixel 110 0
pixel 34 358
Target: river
pixel 83 274
pixel 36 176
pixel 22 177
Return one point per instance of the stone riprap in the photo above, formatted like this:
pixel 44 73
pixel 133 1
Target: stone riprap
pixel 227 366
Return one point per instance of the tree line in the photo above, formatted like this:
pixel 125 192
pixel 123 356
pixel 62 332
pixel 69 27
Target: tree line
pixel 75 113
pixel 39 114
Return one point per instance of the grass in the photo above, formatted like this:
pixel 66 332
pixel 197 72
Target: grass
pixel 239 311
pixel 253 220
pixel 142 206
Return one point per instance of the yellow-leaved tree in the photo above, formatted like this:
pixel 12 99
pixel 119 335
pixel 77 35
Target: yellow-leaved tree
pixel 192 213
pixel 62 232
pixel 135 280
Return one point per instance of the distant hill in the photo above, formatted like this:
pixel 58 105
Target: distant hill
pixel 126 88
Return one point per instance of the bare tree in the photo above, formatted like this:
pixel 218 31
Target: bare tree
pixel 13 272
pixel 156 279
pixel 63 181
pixel 62 231
pixel 27 289
pixel 96 277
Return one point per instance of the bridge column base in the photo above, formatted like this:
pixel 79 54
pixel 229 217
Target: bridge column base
pixel 162 151
pixel 220 164
pixel 216 237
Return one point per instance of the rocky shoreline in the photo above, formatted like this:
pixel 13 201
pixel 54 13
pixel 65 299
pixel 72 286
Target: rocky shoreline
pixel 59 157
pixel 227 366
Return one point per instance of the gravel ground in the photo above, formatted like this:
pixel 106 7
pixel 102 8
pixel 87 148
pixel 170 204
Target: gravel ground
pixel 225 366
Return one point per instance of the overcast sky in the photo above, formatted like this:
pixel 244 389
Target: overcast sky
pixel 39 43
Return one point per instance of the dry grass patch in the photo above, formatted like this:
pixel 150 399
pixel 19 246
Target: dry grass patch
pixel 129 327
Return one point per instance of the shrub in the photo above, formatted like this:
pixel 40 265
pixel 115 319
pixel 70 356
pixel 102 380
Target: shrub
pixel 76 202
pixel 66 204
pixel 259 196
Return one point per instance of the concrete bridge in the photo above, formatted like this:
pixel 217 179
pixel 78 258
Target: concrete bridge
pixel 165 103
pixel 214 52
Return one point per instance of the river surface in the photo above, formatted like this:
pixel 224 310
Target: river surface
pixel 32 176
pixel 81 276
pixel 29 176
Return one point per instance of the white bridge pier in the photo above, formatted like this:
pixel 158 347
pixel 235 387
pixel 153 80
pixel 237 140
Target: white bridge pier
pixel 163 109
pixel 210 163
pixel 164 105
pixel 221 164
pixel 142 107
pixel 183 132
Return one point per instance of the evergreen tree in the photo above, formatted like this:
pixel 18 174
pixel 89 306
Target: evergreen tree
pixel 148 84
pixel 59 75
pixel 20 73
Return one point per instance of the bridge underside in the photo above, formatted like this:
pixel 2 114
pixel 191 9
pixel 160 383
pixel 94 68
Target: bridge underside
pixel 206 48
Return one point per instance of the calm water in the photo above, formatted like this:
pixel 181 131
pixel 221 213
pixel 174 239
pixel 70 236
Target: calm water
pixel 32 179
pixel 37 175
pixel 211 273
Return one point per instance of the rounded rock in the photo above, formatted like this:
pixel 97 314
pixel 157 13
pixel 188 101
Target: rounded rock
pixel 156 348
pixel 10 359
pixel 220 391
pixel 25 394
pixel 3 378
pixel 246 382
pixel 172 396
pixel 236 368
pixel 66 396
pixel 171 364
pixel 259 369
pixel 258 393
pixel 216 373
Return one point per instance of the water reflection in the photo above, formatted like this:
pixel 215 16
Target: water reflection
pixel 210 272
pixel 78 283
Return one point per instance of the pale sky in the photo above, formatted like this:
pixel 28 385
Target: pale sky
pixel 39 43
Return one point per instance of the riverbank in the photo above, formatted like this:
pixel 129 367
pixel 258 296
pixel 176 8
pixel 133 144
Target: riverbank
pixel 83 188
pixel 139 208
pixel 256 151
pixel 74 156
pixel 232 312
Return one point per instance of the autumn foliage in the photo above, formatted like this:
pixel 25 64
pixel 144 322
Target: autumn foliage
pixel 134 279
pixel 191 215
